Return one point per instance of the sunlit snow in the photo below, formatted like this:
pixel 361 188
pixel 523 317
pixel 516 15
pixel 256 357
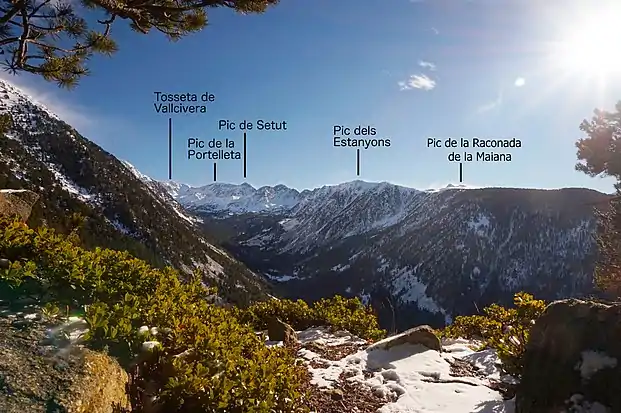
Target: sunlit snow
pixel 416 379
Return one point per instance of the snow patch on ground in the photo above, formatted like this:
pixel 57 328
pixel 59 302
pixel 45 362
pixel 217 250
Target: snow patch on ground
pixel 12 191
pixel 416 378
pixel 71 187
pixel 578 404
pixel 323 336
pixel 594 361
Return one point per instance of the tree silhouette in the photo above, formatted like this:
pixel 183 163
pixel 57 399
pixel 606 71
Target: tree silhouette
pixel 599 154
pixel 54 38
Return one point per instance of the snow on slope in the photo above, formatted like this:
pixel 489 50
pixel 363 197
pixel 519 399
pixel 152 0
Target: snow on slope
pixel 11 97
pixel 156 191
pixel 33 119
pixel 415 378
pixel 23 110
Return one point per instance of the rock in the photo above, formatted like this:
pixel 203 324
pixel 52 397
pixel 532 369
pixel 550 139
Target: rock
pixel 337 394
pixel 278 330
pixel 315 347
pixel 574 352
pixel 418 335
pixel 36 378
pixel 17 201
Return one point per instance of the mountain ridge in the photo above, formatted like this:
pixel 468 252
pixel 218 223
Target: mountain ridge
pixel 435 254
pixel 246 198
pixel 84 188
pixel 355 181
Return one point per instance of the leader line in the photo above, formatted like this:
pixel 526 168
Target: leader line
pixel 461 172
pixel 244 154
pixel 358 162
pixel 169 148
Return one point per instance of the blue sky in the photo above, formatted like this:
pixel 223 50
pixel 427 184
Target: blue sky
pixel 411 69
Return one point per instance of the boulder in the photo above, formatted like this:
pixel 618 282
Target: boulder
pixel 37 377
pixel 277 330
pixel 572 359
pixel 423 335
pixel 17 201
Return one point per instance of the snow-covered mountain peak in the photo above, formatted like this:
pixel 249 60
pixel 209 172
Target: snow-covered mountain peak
pixel 354 185
pixel 357 186
pixel 233 198
pixel 244 198
pixel 452 187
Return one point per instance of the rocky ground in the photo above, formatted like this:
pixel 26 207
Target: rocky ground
pixel 42 370
pixel 570 366
pixel 347 374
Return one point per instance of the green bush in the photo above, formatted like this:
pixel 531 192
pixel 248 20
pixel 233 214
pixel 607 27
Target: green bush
pixel 338 313
pixel 505 330
pixel 204 360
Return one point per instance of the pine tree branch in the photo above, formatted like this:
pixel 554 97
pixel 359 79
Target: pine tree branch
pixel 9 41
pixel 36 9
pixel 45 26
pixel 10 13
pixel 23 48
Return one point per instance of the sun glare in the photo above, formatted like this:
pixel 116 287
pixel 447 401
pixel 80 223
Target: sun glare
pixel 592 47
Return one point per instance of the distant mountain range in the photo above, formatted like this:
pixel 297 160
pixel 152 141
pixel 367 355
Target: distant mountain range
pixel 433 253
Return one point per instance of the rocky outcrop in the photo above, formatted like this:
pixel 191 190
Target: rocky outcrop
pixel 277 330
pixel 17 201
pixel 38 376
pixel 423 335
pixel 572 360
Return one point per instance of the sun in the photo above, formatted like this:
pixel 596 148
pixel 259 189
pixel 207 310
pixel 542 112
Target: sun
pixel 591 48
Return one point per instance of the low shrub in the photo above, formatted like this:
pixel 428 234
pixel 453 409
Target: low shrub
pixel 202 358
pixel 338 313
pixel 504 329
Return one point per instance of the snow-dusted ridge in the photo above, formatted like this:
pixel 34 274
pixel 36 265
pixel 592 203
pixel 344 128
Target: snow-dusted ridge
pixel 12 97
pixel 245 198
pixel 233 199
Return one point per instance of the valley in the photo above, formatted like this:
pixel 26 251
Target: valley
pixel 269 206
pixel 418 256
pixel 431 254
